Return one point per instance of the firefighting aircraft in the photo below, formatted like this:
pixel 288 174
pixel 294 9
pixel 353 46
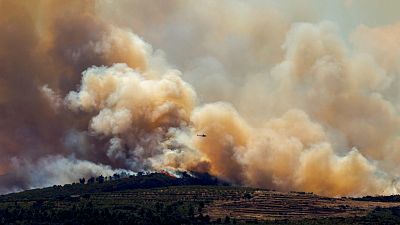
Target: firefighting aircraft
pixel 201 135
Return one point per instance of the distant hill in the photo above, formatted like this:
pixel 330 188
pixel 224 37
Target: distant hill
pixel 169 199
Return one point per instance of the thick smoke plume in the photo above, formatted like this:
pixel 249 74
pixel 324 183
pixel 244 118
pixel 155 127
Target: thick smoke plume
pixel 284 105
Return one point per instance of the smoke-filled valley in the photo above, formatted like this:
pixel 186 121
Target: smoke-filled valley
pixel 287 99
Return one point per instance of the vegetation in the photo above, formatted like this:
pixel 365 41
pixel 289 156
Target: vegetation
pixel 96 185
pixel 154 199
pixel 386 216
pixel 390 198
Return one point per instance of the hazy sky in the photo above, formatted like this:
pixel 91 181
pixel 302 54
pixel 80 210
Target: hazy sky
pixel 351 13
pixel 348 14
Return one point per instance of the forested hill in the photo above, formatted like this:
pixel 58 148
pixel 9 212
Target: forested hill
pixel 152 180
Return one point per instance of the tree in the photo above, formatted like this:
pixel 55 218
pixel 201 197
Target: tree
pixel 227 219
pixel 201 206
pixel 82 180
pixel 91 180
pixel 247 196
pixel 191 212
pixel 116 176
pixel 100 179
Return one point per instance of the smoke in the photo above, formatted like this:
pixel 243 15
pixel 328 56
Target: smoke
pixel 44 48
pixel 284 104
pixel 53 170
pixel 135 111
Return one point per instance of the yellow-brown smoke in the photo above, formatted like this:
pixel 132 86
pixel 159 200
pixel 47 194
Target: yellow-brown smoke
pixel 44 47
pixel 296 109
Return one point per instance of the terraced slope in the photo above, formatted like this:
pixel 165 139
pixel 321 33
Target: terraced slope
pixel 267 205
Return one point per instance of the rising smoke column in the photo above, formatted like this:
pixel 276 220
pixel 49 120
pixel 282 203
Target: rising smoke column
pixel 288 152
pixel 318 116
pixel 139 113
pixel 44 47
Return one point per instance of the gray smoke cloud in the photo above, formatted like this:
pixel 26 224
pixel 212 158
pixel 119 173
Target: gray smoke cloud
pixel 288 101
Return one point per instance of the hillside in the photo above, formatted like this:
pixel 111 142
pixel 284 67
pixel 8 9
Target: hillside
pixel 162 199
pixel 152 180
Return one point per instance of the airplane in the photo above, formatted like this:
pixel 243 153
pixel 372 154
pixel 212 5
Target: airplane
pixel 201 135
